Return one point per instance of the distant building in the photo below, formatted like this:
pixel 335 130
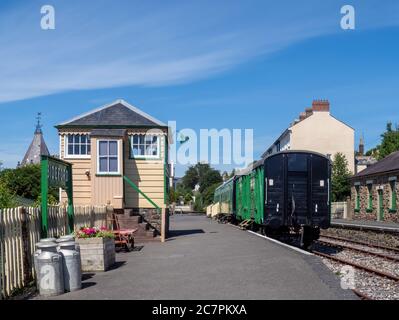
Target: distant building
pixel 37 147
pixel 374 191
pixel 361 161
pixel 317 130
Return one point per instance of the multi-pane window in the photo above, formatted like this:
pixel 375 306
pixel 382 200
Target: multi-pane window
pixel 393 195
pixel 77 145
pixel 108 157
pixel 144 146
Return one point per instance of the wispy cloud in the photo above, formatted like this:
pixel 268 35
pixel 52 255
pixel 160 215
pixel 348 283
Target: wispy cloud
pixel 107 44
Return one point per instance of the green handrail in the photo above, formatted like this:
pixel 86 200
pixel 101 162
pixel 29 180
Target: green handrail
pixel 133 185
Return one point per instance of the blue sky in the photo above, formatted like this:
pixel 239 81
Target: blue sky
pixel 204 64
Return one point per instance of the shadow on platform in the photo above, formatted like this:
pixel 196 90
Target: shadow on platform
pixel 179 233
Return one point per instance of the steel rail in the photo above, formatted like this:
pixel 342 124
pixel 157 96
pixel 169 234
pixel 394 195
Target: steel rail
pixel 362 243
pixel 362 295
pixel 358 266
pixel 377 254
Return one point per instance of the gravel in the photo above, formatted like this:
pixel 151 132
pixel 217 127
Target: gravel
pixel 376 287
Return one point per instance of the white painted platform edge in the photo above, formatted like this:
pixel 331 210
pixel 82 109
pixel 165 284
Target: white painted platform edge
pixel 282 243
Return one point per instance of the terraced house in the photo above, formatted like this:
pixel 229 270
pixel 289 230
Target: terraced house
pixel 375 191
pixel 120 157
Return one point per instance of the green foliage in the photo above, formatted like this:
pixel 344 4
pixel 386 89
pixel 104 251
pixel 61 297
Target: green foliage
pixel 340 178
pixel 51 200
pixel 7 199
pixel 25 182
pixel 188 197
pixel 201 174
pixel 208 194
pixel 208 180
pixel 390 141
pixel 198 204
pixel 172 196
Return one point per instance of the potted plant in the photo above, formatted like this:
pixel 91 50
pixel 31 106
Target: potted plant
pixel 97 248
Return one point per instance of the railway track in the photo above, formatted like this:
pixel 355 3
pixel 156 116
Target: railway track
pixel 358 266
pixel 378 275
pixel 342 244
pixel 371 245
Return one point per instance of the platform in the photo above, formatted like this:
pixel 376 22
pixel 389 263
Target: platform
pixel 382 226
pixel 207 260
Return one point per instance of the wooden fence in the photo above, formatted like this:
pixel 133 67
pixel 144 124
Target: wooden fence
pixel 20 230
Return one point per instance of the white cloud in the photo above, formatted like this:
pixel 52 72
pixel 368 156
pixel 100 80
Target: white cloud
pixel 107 44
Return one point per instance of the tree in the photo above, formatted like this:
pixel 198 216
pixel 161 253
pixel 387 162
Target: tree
pixel 202 174
pixel 206 177
pixel 207 196
pixel 188 197
pixel 7 199
pixel 340 178
pixel 25 181
pixel 390 141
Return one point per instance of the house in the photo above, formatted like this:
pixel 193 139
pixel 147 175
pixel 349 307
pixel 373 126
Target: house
pixel 317 130
pixel 120 157
pixel 374 191
pixel 37 147
pixel 362 161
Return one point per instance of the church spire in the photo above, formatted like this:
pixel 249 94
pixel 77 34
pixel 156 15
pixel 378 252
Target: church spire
pixel 38 124
pixel 37 147
pixel 361 146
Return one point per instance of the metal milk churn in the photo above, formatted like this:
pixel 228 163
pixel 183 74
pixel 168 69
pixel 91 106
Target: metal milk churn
pixel 71 266
pixel 68 238
pixel 49 270
pixel 38 251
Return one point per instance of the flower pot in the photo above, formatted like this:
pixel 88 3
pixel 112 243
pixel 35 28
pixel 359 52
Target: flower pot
pixel 97 254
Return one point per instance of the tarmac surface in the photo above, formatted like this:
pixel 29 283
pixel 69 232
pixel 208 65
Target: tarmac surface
pixel 206 260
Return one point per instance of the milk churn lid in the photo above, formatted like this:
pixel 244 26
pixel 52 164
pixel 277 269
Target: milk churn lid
pixel 67 244
pixel 48 245
pixel 61 240
pixel 45 240
pixel 67 236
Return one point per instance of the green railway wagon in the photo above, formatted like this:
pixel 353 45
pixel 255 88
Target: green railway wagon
pixel 224 197
pixel 249 195
pixel 285 193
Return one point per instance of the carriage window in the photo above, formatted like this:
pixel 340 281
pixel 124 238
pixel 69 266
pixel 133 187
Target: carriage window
pixel 298 162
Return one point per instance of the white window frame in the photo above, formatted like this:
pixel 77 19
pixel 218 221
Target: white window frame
pixel 151 157
pixel 75 156
pixel 101 173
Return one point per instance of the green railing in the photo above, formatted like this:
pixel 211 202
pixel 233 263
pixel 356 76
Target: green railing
pixel 133 185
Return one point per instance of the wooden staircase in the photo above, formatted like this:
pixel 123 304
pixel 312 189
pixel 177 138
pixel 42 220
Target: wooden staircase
pixel 245 224
pixel 144 233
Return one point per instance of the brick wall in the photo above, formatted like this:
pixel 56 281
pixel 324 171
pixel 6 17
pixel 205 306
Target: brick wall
pixel 381 181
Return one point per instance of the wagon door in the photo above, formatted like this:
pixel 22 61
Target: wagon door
pixel 297 189
pixel 274 200
pixel 320 203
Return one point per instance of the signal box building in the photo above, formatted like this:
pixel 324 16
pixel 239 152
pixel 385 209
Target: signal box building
pixel 112 146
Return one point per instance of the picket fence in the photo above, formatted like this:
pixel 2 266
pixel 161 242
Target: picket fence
pixel 20 230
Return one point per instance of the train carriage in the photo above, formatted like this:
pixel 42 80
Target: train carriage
pixel 284 193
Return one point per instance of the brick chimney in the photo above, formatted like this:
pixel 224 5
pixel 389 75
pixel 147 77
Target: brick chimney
pixel 320 105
